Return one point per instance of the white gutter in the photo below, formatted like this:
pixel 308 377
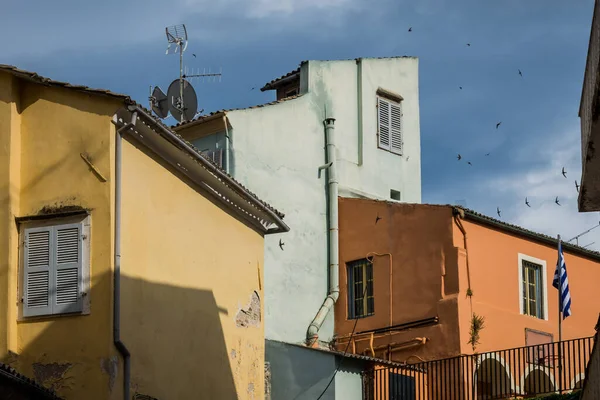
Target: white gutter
pixel 312 335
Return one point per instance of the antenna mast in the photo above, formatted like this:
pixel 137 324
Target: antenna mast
pixel 181 100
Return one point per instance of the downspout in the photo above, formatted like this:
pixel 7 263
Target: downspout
pixel 117 273
pixel 359 106
pixel 227 169
pixel 458 215
pixel 312 335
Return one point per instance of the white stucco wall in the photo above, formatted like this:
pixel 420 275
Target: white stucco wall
pixel 335 83
pixel 276 152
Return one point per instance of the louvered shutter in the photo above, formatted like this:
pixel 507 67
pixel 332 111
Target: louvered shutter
pixel 383 122
pixel 68 269
pixel 396 128
pixel 37 272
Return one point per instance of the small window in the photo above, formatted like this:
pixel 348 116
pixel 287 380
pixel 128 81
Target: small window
pixel 532 287
pixel 395 195
pixel 389 125
pixel 361 302
pixel 55 267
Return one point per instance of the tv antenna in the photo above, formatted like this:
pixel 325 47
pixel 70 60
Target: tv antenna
pixel 181 99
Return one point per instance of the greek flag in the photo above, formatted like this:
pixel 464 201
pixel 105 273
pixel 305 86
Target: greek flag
pixel 561 282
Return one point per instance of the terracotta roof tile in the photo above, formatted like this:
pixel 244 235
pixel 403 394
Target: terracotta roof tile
pixel 270 85
pixel 32 76
pixel 201 118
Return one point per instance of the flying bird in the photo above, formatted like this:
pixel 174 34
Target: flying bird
pixel 469 162
pixel 459 157
pixel 520 73
pixel 487 154
pixel 281 244
pixel 460 87
pixel 498 211
pixel 194 55
pixel 410 29
pixel 377 219
pixel 526 202
pixel 564 172
pixel 556 201
pixel 469 44
pixel 577 186
pixel 252 89
pixel 498 124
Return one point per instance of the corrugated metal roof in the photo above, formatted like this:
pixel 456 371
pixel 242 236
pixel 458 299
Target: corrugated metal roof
pixel 350 355
pixel 33 77
pixel 41 391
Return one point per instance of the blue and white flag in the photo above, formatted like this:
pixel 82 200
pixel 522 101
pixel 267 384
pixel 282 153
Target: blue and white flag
pixel 561 282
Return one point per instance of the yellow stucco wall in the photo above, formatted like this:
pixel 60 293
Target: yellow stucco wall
pixel 188 267
pixel 47 130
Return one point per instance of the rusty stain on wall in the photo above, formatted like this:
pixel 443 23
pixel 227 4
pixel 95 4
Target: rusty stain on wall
pixel 51 375
pixel 110 367
pixel 251 315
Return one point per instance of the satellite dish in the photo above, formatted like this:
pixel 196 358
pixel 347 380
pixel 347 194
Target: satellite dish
pixel 159 103
pixel 182 109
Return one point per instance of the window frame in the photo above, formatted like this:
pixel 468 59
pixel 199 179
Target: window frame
pixel 367 305
pixel 543 281
pixel 24 225
pixel 391 99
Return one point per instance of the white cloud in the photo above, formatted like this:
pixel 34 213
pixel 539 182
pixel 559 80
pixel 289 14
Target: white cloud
pixel 542 183
pixel 102 25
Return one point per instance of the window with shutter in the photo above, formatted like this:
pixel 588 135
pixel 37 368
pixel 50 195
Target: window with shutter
pixel 53 263
pixel 389 125
pixel 68 269
pixel 37 255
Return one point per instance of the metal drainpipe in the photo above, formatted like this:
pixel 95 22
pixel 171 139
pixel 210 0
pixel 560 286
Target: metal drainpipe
pixel 227 169
pixel 117 273
pixel 312 335
pixel 359 107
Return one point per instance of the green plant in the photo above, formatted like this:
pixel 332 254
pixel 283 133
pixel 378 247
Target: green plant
pixel 477 324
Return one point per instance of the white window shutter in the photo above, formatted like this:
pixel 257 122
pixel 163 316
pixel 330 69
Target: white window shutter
pixel 37 272
pixel 383 123
pixel 396 128
pixel 68 269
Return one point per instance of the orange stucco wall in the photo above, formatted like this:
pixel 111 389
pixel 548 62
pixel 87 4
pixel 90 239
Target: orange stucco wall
pixel 430 279
pixel 494 269
pixel 424 277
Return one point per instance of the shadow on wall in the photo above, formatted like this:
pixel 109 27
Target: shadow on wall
pixel 174 335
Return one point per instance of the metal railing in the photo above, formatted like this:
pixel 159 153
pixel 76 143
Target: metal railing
pixel 505 374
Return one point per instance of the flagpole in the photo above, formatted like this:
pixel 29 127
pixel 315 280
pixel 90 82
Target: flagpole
pixel 559 326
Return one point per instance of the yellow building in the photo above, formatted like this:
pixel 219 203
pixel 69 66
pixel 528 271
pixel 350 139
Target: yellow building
pixel 130 265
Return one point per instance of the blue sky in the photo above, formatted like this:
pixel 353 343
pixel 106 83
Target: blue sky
pixel 120 46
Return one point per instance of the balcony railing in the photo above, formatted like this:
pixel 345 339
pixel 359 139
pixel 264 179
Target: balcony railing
pixel 506 374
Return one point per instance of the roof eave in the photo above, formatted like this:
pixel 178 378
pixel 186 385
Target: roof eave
pixel 525 233
pixel 281 81
pixel 211 178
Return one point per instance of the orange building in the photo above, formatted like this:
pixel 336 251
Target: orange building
pixel 414 277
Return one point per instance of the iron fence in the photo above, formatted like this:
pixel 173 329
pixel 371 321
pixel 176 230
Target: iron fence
pixel 505 374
